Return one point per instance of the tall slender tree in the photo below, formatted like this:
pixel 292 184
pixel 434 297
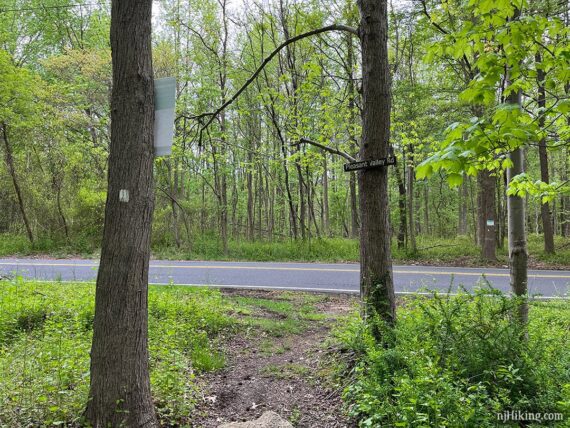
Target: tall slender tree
pixel 518 254
pixel 547 228
pixel 120 385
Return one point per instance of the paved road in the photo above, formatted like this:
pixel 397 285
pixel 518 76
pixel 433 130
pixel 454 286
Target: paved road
pixel 340 278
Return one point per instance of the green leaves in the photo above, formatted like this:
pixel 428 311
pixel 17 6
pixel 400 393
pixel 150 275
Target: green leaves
pixel 454 179
pixel 493 42
pixel 563 107
pixel 523 185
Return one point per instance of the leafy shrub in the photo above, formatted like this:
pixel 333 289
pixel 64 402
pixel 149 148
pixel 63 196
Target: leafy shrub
pixel 458 361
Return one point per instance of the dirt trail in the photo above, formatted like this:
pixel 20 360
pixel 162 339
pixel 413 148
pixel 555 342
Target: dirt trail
pixel 283 374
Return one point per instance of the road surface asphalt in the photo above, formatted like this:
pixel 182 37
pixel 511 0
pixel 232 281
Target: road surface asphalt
pixel 333 278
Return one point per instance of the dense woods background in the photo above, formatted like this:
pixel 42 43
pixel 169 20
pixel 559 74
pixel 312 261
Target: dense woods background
pixel 269 167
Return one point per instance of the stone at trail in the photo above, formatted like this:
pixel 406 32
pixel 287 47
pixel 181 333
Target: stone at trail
pixel 267 420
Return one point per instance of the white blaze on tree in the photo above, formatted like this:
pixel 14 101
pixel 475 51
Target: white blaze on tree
pixel 120 385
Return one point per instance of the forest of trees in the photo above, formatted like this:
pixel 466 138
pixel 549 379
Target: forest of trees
pixel 273 97
pixel 269 166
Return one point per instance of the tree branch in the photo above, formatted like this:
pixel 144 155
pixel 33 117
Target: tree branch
pixel 326 148
pixel 443 31
pixel 334 27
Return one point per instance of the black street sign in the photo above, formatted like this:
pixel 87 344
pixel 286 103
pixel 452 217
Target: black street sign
pixel 368 164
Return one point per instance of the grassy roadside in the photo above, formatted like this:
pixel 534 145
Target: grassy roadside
pixel 45 336
pixel 213 354
pixel 459 251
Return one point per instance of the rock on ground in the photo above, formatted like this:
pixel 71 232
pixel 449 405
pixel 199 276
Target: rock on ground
pixel 267 420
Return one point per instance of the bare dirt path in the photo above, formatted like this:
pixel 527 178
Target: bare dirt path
pixel 284 373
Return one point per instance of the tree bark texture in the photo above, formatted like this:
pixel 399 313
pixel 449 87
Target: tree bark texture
pixel 352 94
pixel 376 281
pixel 120 386
pixel 546 217
pixel 518 255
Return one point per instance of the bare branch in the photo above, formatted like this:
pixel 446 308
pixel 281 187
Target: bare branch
pixel 334 27
pixel 326 148
pixel 464 60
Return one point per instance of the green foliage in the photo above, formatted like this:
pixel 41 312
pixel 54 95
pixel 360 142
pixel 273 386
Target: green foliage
pixel 504 46
pixel 460 249
pixel 458 361
pixel 291 314
pixel 13 245
pixel 332 250
pixel 45 337
pixel 522 185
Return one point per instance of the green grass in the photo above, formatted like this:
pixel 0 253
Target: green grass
pixel 461 249
pixel 45 338
pixel 14 245
pixel 286 371
pixel 324 250
pixel 287 315
pixel 270 347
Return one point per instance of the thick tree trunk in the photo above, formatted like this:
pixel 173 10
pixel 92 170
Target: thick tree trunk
pixel 9 157
pixel 376 281
pixel 518 256
pixel 119 392
pixel 547 228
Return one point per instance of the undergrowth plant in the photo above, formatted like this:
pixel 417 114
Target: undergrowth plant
pixel 458 361
pixel 45 339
